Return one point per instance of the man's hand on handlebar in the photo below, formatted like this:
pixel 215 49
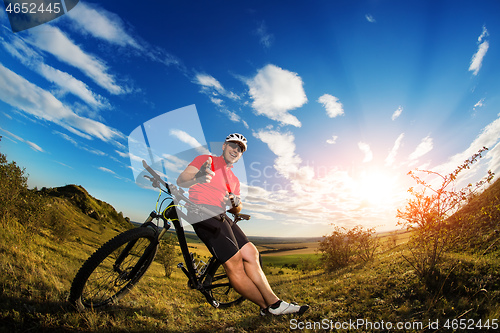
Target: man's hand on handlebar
pixel 234 202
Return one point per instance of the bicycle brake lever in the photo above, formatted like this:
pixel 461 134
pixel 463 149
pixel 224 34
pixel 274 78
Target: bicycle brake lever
pixel 153 180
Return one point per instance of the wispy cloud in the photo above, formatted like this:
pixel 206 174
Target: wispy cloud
pixel 265 38
pixel 66 82
pixel 332 105
pixel 332 140
pixel 397 113
pixel 425 146
pixel 370 18
pixel 52 40
pixel 107 170
pixel 282 145
pixel 391 158
pixel 102 24
pixel 191 141
pixel 24 95
pixel 213 87
pixel 32 145
pixel 479 104
pixel 93 20
pixel 365 148
pixel 489 138
pixel 477 59
pixel 275 92
pixel 174 163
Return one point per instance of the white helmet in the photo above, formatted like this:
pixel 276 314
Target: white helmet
pixel 236 137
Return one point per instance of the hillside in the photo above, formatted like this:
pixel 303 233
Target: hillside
pixel 39 260
pixel 83 202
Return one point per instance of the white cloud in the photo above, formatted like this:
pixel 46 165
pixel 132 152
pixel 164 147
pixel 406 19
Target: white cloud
pixel 275 92
pixel 392 154
pixel 370 18
pixel 107 170
pixel 32 145
pixel 332 105
pixel 365 148
pixel 483 35
pixel 479 104
pixel 489 138
pixel 265 37
pixel 23 95
pixel 213 87
pixel 174 163
pixel 282 145
pixel 188 139
pixel 477 58
pixel 397 113
pixel 101 24
pixel 93 20
pixel 209 81
pixel 66 82
pixel 425 146
pixel 261 216
pixel 333 140
pixel 52 40
pixel 215 91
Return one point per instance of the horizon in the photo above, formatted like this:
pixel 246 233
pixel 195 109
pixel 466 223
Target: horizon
pixel 339 100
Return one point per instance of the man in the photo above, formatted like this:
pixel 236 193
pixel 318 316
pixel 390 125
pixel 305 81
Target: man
pixel 212 184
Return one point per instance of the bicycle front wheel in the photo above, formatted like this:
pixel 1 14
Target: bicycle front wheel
pixel 113 270
pixel 219 288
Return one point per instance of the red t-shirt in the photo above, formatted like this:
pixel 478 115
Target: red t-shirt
pixel 224 181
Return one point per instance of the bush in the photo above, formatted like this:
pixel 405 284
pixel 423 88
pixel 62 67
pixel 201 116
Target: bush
pixel 17 202
pixel 427 213
pixel 166 254
pixel 344 247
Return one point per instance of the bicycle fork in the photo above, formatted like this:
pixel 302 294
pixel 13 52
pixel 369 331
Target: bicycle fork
pixel 145 256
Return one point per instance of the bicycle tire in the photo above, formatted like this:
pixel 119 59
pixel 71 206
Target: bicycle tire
pixel 99 284
pixel 218 286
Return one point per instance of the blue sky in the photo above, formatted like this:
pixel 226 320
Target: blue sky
pixel 338 99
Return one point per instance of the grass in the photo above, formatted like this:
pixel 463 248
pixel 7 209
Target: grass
pixel 37 275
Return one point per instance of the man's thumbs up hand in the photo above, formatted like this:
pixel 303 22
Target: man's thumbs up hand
pixel 205 174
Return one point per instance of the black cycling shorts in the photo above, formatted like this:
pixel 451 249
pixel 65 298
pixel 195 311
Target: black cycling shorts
pixel 222 238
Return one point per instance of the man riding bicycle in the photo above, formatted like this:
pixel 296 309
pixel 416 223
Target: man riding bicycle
pixel 212 184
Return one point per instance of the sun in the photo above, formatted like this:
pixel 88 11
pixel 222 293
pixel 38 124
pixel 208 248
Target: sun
pixel 376 187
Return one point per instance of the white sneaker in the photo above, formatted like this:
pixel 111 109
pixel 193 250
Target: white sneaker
pixel 287 308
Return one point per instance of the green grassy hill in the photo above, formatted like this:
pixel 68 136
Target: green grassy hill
pixel 39 260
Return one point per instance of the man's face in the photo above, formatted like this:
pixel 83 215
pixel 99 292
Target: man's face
pixel 231 151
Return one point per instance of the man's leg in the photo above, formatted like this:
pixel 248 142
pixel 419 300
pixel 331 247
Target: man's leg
pixel 250 256
pixel 241 282
pixel 253 270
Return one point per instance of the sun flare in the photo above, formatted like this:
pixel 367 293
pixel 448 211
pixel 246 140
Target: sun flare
pixel 376 187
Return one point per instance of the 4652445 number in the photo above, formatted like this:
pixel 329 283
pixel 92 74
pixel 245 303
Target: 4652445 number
pixel 33 8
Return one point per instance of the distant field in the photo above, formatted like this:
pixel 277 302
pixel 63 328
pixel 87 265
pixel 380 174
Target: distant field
pixel 288 260
pixel 292 247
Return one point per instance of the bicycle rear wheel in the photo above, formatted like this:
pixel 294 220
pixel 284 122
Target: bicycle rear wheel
pixel 113 270
pixel 219 288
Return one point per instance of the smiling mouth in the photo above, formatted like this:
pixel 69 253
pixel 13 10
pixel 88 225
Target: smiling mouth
pixel 233 155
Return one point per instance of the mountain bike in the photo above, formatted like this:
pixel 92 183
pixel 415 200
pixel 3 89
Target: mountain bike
pixel 118 265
